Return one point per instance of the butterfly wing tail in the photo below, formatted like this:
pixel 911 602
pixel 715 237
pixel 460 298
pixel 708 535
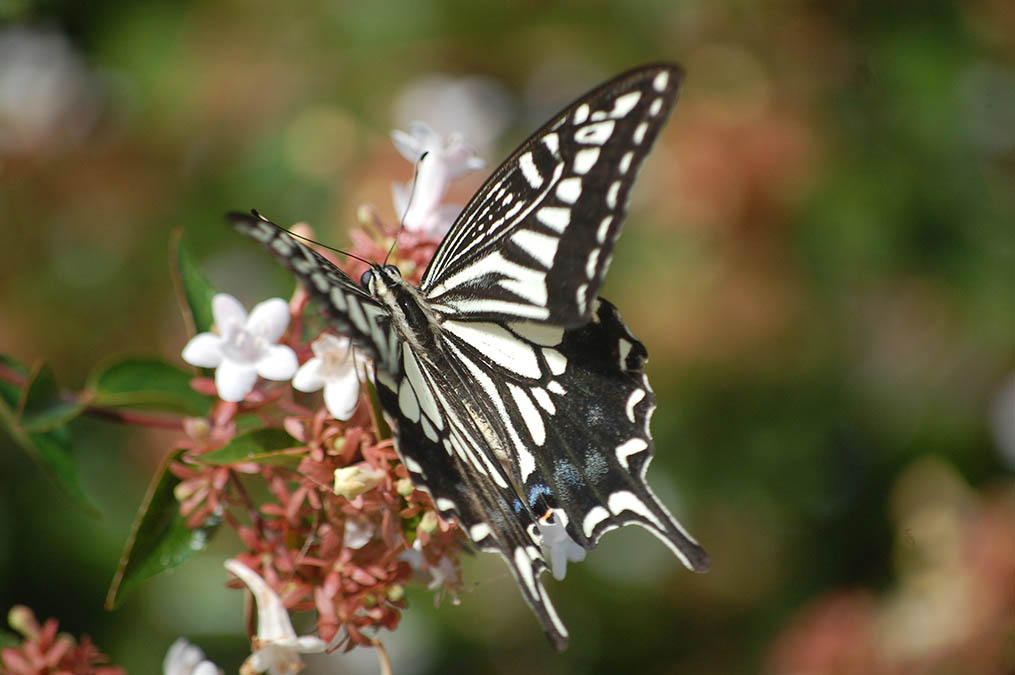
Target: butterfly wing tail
pixel 653 515
pixel 526 565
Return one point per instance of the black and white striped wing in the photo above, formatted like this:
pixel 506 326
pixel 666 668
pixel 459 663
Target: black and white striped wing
pixel 524 420
pixel 354 312
pixel 441 432
pixel 535 241
pixel 586 424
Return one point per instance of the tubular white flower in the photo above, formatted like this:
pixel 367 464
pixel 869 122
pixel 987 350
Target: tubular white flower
pixel 332 367
pixel 443 162
pixel 184 658
pixel 244 346
pixel 277 649
pixel 557 543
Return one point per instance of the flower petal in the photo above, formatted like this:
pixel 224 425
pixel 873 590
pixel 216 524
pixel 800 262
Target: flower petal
pixel 183 658
pixel 274 659
pixel 460 158
pixel 561 548
pixel 400 197
pixel 204 350
pixel 269 319
pixel 342 394
pixel 235 380
pixel 358 532
pixel 328 343
pixel 310 644
pixel 308 377
pixel 429 140
pixel 278 363
pixel 227 311
pixel 273 623
pixel 407 145
pixel 206 668
pixel 442 573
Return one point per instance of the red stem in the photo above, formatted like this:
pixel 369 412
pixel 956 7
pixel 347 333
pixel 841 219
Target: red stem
pixel 120 416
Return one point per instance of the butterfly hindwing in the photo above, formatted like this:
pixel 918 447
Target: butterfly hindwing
pixel 598 444
pixel 448 456
pixel 536 240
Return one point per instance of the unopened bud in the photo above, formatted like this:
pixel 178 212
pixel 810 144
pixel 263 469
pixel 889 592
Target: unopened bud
pixel 23 620
pixel 429 522
pixel 352 481
pixel 404 487
pixel 197 428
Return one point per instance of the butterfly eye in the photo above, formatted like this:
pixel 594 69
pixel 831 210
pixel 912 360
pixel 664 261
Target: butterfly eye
pixel 364 280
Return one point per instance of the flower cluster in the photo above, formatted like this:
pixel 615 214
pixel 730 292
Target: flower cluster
pixel 43 650
pixel 344 529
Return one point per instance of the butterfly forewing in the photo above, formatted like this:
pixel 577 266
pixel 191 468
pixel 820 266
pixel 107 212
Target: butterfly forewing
pixel 517 396
pixel 355 313
pixel 536 240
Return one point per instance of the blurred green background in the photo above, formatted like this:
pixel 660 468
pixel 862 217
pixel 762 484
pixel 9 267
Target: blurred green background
pixel 819 258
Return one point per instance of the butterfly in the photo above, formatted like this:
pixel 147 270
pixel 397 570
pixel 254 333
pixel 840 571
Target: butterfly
pixel 516 395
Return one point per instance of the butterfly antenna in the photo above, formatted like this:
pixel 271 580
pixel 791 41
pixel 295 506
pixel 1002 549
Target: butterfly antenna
pixel 308 239
pixel 408 205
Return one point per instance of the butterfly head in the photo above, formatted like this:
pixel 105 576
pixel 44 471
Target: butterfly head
pixel 384 274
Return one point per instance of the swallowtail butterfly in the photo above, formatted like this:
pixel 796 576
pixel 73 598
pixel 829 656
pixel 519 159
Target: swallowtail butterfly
pixel 515 394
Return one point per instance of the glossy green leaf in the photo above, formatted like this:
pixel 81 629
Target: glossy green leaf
pixel 42 406
pixel 263 446
pixel 160 538
pixel 149 383
pixel 51 451
pixel 197 291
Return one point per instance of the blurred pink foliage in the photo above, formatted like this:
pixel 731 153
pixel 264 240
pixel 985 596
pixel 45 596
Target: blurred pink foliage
pixel 43 651
pixel 952 609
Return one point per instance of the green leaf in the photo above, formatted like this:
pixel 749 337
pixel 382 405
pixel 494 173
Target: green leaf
pixel 150 383
pixel 196 290
pixel 51 451
pixel 263 446
pixel 42 407
pixel 9 639
pixel 160 538
pixel 377 413
pixel 11 370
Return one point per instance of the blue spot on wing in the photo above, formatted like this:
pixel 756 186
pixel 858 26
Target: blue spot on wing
pixel 536 491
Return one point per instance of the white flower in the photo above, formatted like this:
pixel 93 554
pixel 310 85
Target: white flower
pixel 276 648
pixel 420 208
pixel 352 481
pixel 358 532
pixel 444 573
pixel 477 106
pixel 557 543
pixel 333 367
pixel 244 346
pixel 184 658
